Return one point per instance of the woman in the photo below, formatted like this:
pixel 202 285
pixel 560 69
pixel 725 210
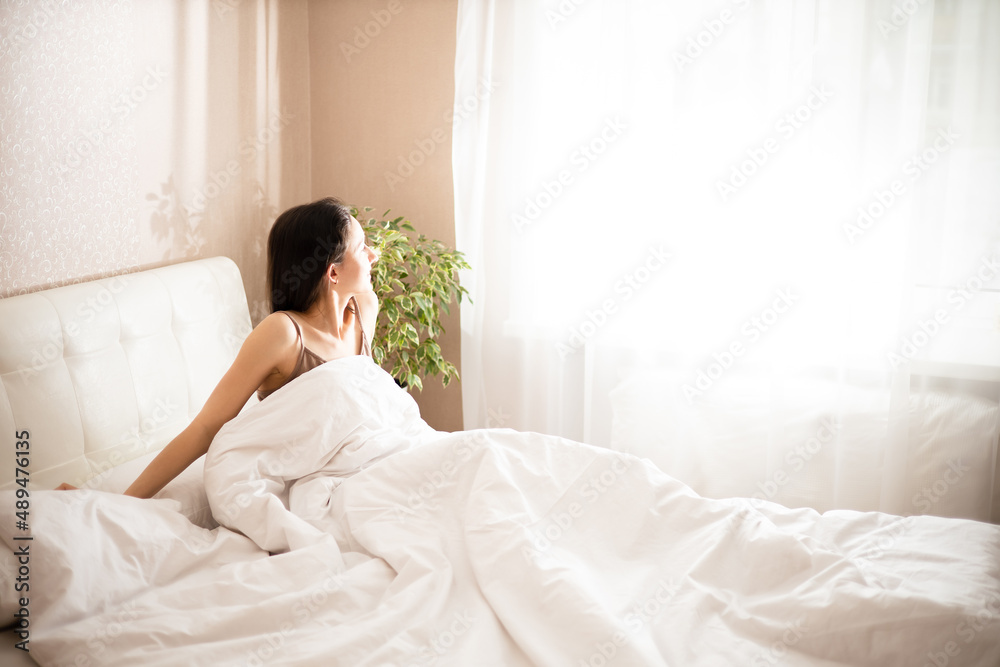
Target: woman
pixel 322 305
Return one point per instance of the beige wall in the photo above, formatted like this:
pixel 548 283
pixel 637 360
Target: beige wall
pixel 375 99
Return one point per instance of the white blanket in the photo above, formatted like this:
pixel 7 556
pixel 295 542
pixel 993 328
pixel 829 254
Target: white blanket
pixel 394 544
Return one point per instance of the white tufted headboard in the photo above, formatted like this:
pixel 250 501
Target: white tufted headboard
pixel 102 372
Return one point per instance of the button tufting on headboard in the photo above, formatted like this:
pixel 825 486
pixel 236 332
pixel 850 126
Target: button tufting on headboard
pixel 105 371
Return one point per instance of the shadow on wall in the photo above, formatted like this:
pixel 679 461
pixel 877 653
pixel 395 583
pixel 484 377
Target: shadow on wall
pixel 178 225
pixel 184 232
pixel 183 228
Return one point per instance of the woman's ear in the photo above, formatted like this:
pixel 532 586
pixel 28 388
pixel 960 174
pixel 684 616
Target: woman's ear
pixel 331 273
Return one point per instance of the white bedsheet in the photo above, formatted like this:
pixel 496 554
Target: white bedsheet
pixel 395 544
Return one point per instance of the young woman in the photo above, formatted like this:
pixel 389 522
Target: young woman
pixel 322 308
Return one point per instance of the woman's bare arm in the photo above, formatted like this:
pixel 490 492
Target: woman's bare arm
pixel 172 460
pixel 368 302
pixel 261 354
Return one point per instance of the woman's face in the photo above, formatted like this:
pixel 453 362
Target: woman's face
pixel 355 270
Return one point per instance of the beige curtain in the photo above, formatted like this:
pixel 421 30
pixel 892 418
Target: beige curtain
pixel 137 134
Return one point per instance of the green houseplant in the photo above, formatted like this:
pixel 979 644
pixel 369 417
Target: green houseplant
pixel 415 280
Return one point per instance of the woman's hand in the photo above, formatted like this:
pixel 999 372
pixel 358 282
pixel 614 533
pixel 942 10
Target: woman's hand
pixel 66 487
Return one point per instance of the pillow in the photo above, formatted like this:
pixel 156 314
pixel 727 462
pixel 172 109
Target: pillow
pixel 952 440
pixel 724 446
pixel 737 442
pixel 188 488
pixel 82 537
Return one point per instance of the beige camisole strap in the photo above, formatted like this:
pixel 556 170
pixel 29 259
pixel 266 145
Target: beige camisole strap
pixel 308 359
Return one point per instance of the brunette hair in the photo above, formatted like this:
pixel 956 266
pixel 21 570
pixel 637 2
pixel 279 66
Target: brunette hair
pixel 303 242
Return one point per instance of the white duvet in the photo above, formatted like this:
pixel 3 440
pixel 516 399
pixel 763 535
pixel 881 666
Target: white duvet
pixel 354 534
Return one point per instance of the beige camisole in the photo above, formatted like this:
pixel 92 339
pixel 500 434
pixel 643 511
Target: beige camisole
pixel 308 359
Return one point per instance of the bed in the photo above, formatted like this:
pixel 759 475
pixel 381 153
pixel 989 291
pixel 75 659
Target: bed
pixel 331 525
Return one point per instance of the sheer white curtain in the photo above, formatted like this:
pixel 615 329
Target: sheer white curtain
pixel 753 241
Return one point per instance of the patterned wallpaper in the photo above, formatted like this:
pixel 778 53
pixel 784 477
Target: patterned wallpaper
pixel 135 134
pixel 68 197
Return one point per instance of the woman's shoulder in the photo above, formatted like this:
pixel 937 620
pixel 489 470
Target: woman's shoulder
pixel 277 329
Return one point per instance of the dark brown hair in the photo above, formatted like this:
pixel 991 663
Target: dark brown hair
pixel 303 242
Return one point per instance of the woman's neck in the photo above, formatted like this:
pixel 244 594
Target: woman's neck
pixel 330 314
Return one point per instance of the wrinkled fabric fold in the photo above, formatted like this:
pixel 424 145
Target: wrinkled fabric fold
pixel 354 534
